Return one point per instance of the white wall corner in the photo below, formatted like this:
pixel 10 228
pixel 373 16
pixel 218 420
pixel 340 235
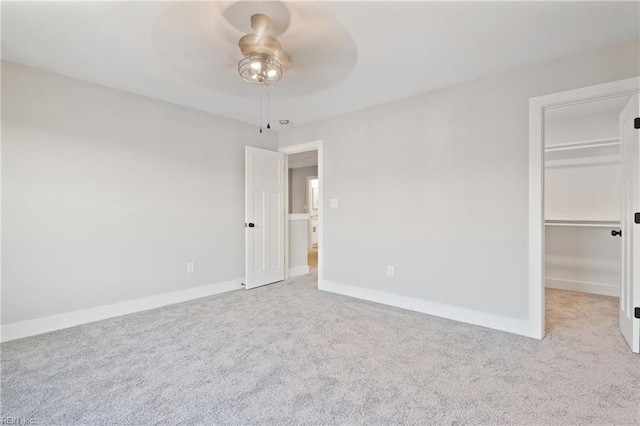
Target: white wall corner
pixel 484 319
pixel 58 322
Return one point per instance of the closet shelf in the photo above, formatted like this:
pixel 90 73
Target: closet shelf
pixel 584 223
pixel 598 143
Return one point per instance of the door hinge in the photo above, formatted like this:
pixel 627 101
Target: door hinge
pixel 636 123
pixel 636 218
pixel 636 312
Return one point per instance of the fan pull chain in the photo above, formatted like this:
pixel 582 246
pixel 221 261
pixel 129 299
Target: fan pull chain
pixel 260 112
pixel 268 109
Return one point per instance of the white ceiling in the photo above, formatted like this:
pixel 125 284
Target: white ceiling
pixel 366 53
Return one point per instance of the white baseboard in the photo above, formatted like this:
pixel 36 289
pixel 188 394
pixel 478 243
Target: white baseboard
pixel 470 316
pixel 583 287
pixel 57 322
pixel 298 270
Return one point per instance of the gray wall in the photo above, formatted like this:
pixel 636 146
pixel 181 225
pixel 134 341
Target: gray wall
pixel 298 188
pixel 437 185
pixel 107 195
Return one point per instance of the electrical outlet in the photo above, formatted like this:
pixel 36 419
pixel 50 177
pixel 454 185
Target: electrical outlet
pixel 191 268
pixel 334 203
pixel 390 271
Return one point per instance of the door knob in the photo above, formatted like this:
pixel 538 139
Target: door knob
pixel 617 233
pixel 250 225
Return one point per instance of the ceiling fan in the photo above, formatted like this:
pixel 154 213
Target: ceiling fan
pixel 204 41
pixel 263 60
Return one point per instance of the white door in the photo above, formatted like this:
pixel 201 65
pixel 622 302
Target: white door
pixel 264 217
pixel 630 286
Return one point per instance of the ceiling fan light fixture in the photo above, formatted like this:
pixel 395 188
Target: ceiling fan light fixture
pixel 260 68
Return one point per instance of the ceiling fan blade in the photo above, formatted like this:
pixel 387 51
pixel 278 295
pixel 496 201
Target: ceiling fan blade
pixel 238 15
pixel 322 51
pixel 259 43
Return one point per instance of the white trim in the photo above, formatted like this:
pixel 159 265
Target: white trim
pixel 302 147
pixel 537 107
pixel 298 270
pixel 583 287
pixel 287 216
pixel 292 149
pixel 57 322
pixel 536 217
pixel 470 316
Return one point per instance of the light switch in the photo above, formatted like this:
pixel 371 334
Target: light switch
pixel 390 271
pixel 334 203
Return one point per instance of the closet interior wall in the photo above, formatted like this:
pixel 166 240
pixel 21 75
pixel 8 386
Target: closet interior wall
pixel 582 197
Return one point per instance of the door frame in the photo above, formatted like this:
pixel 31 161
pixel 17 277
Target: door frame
pixel 294 149
pixel 537 108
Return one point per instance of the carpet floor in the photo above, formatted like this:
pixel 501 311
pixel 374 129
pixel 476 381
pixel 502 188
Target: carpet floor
pixel 290 354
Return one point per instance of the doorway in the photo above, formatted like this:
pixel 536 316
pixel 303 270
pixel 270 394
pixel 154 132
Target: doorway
pixel 314 228
pixel 582 190
pixel 576 207
pixel 304 212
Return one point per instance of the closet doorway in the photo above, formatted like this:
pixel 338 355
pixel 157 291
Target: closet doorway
pixel 588 248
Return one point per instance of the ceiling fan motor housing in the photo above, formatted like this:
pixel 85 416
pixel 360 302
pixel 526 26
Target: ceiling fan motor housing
pixel 263 56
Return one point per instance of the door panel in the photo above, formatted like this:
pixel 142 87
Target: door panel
pixel 630 174
pixel 276 248
pixel 257 238
pixel 264 217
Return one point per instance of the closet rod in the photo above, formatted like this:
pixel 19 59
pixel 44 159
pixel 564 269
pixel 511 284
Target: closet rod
pixel 584 223
pixel 583 145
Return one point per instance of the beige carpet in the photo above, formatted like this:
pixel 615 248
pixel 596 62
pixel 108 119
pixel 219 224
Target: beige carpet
pixel 288 354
